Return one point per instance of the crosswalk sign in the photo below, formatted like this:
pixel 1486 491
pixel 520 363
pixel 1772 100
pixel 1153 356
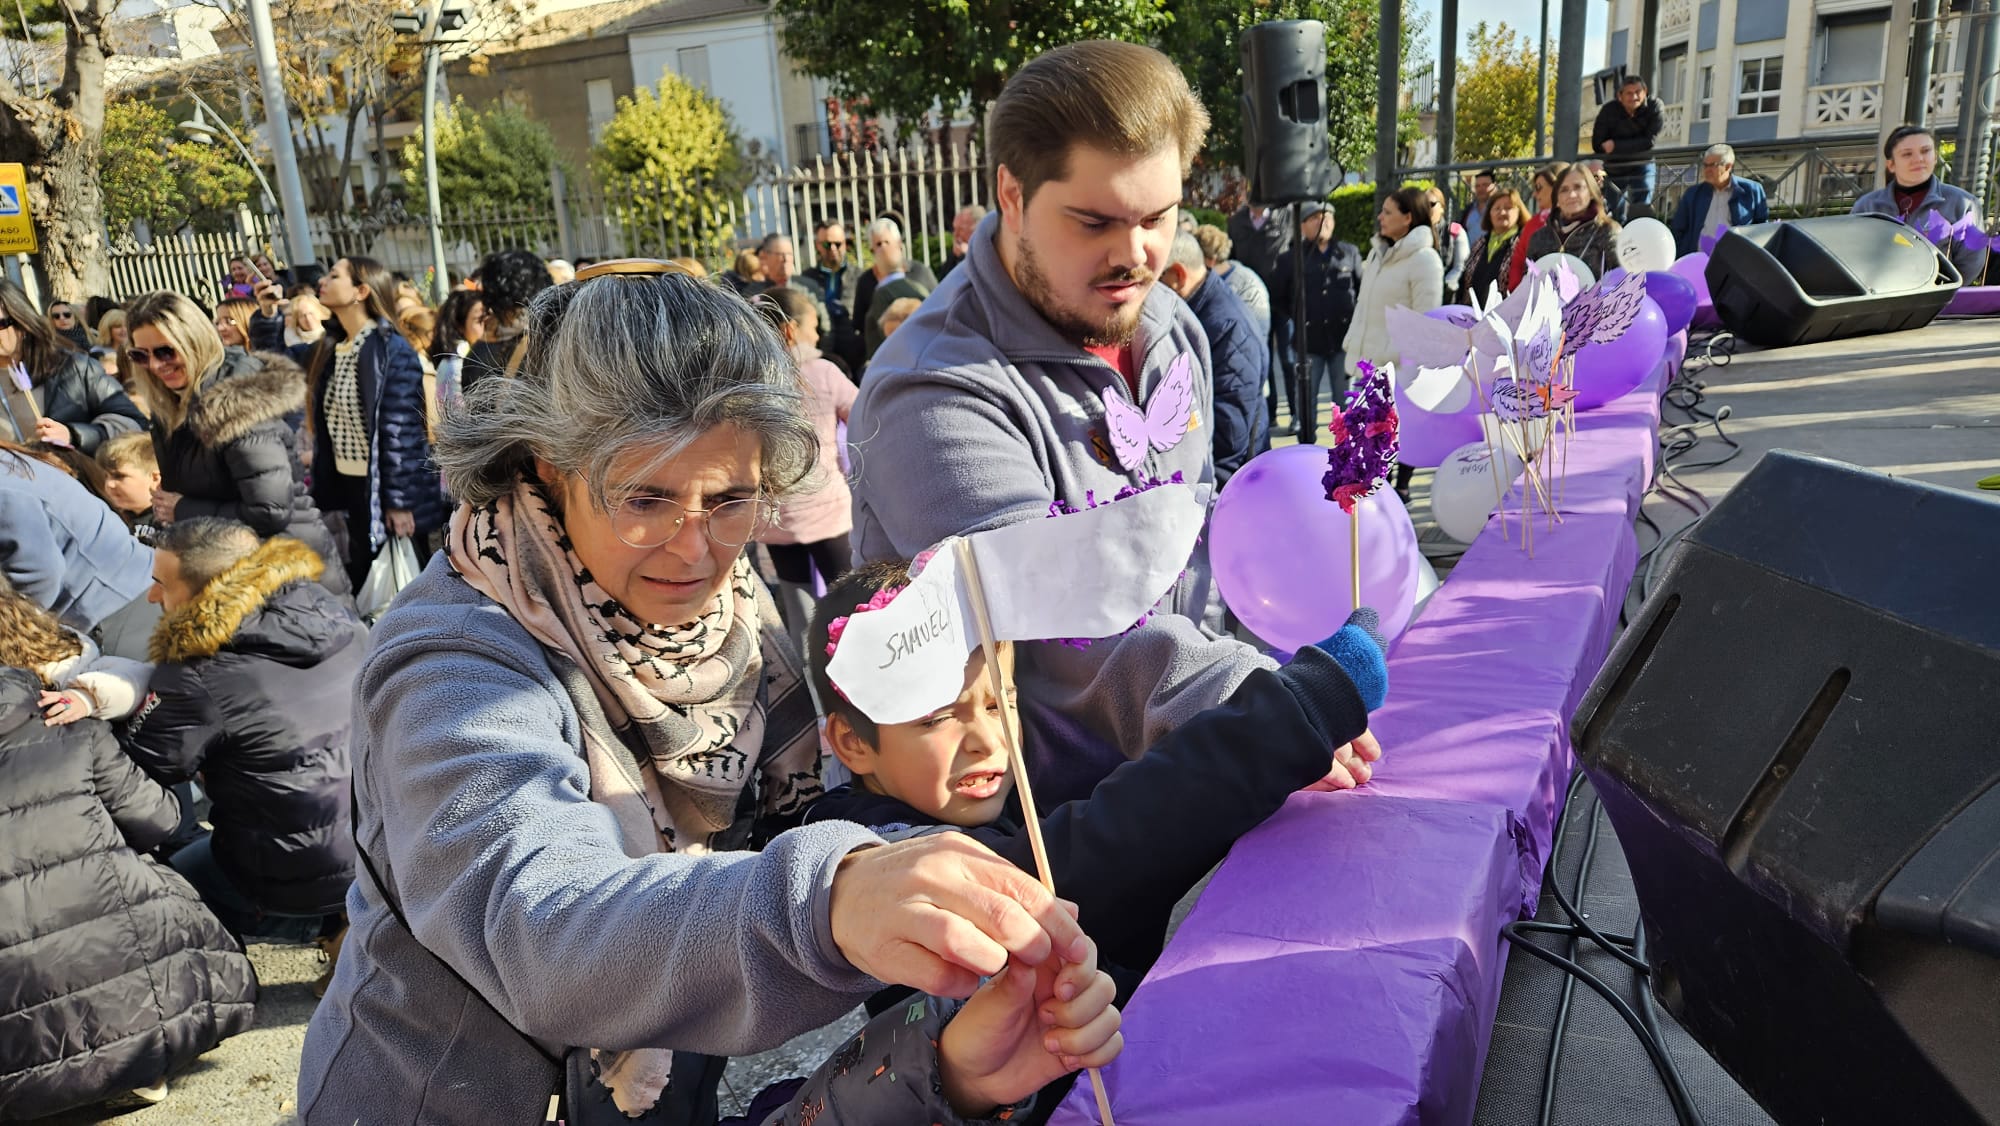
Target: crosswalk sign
pixel 17 226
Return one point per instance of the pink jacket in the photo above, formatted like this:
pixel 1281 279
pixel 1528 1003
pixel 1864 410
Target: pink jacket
pixel 828 510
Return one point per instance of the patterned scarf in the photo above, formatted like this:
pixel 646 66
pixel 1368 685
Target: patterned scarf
pixel 717 704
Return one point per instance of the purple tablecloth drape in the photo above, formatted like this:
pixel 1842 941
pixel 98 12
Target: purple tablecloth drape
pixel 1344 964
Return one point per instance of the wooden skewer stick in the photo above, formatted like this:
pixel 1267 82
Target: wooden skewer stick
pixel 1354 552
pixel 982 620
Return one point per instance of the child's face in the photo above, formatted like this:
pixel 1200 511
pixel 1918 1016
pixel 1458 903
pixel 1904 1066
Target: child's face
pixel 130 488
pixel 952 764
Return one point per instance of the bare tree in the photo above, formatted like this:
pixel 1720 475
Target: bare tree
pixel 58 135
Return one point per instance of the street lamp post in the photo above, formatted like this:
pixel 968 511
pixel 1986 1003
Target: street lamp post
pixel 433 23
pixel 202 130
pixel 277 118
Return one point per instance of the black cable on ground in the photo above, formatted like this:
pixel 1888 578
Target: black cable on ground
pixel 1629 949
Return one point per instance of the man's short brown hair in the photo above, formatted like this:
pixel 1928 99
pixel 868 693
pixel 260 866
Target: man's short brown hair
pixel 1117 97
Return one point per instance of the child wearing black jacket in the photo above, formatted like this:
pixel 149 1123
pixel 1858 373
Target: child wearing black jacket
pixel 1152 828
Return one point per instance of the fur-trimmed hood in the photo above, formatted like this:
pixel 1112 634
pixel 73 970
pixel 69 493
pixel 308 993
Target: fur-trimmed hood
pixel 217 615
pixel 246 391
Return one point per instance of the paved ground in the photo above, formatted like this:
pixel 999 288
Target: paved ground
pixel 1922 404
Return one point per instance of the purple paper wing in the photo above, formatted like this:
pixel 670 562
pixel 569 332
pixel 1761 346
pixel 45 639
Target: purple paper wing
pixel 1127 426
pixel 1513 402
pixel 1603 314
pixel 1172 405
pixel 1425 342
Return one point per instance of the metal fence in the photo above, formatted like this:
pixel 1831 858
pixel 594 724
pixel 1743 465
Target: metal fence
pixel 921 186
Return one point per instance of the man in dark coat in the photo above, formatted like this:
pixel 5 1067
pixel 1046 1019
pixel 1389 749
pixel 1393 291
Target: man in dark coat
pixel 116 975
pixel 892 263
pixel 254 690
pixel 1236 353
pixel 833 279
pixel 1333 282
pixel 1258 238
pixel 1624 134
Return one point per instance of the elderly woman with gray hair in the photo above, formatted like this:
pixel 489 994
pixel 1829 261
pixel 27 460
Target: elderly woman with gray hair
pixel 573 729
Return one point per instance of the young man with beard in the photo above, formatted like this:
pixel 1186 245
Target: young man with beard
pixel 989 404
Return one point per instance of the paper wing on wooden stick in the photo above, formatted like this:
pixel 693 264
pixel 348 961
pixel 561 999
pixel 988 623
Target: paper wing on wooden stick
pixel 1085 574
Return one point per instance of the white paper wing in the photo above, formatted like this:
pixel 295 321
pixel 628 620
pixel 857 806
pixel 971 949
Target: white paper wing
pixel 1425 342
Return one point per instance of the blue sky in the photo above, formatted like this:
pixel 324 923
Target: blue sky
pixel 1524 16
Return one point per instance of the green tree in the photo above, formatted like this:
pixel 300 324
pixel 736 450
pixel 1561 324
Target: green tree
pixel 675 156
pixel 1203 39
pixel 498 156
pixel 149 172
pixel 1496 94
pixel 909 57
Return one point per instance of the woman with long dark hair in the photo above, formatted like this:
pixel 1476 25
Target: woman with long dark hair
pixel 221 426
pixel 80 404
pixel 1402 268
pixel 371 450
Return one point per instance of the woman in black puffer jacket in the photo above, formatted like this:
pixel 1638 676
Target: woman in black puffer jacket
pixel 225 427
pixel 81 405
pixel 116 974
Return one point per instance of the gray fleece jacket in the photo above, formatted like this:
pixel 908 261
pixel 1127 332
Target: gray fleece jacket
pixel 978 413
pixel 472 799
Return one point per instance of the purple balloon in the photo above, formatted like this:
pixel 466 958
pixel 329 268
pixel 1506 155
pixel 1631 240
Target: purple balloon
pixel 1693 269
pixel 1675 297
pixel 1426 438
pixel 1606 371
pixel 1612 277
pixel 1458 315
pixel 1279 550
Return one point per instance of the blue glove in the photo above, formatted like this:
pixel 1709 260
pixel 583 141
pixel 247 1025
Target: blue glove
pixel 1357 649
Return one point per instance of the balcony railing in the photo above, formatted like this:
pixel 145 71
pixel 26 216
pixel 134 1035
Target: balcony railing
pixel 1944 94
pixel 1676 130
pixel 1844 106
pixel 1676 20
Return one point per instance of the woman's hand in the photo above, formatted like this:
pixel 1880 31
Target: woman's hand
pixel 1353 765
pixel 937 913
pixel 59 708
pixel 1024 1029
pixel 401 522
pixel 49 430
pixel 164 504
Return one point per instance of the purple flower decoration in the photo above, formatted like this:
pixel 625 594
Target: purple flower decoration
pixel 1364 440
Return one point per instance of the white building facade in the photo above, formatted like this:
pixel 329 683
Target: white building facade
pixel 1745 71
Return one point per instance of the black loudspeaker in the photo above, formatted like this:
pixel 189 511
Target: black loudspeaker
pixel 1284 112
pixel 1798 743
pixel 1807 280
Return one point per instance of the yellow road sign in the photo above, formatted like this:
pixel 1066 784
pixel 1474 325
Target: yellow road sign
pixel 17 227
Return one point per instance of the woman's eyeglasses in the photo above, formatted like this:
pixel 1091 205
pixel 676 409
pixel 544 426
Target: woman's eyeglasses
pixel 144 357
pixel 645 521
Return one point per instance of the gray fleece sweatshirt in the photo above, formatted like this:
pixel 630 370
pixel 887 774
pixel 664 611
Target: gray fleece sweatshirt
pixel 473 802
pixel 978 413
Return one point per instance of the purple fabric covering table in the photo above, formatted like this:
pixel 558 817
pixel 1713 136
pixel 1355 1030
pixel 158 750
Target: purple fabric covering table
pixel 1969 301
pixel 1344 964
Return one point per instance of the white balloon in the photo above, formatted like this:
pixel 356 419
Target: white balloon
pixel 1645 245
pixel 1464 492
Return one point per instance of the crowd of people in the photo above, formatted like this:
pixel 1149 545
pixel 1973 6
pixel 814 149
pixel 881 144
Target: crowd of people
pixel 579 811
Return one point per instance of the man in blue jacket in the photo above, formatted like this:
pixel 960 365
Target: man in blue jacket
pixel 1720 200
pixel 1236 352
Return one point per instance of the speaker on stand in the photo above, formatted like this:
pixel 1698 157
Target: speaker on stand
pixel 1287 154
pixel 1798 743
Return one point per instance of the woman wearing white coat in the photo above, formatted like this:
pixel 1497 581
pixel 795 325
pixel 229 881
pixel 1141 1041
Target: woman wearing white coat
pixel 1402 269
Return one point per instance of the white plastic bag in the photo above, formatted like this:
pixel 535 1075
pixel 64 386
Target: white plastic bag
pixel 395 567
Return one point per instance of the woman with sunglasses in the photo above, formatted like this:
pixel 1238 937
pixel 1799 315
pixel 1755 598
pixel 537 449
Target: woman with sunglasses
pixel 80 405
pixel 223 426
pixel 371 450
pixel 582 717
